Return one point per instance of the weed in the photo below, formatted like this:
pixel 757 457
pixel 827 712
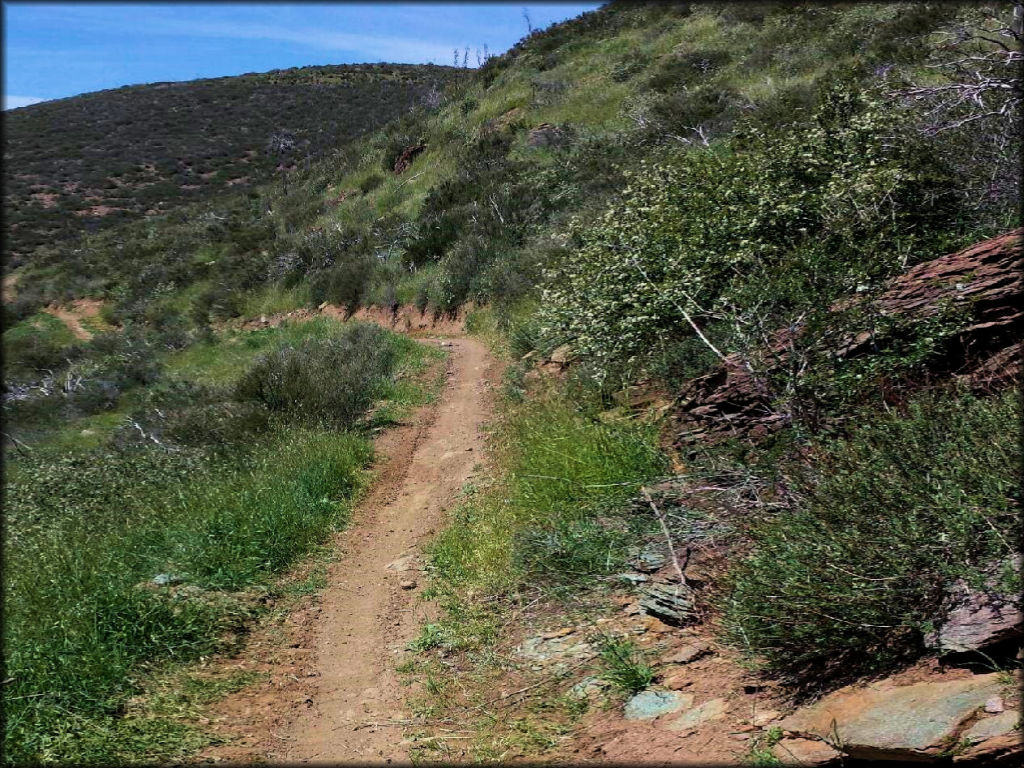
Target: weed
pixel 625 667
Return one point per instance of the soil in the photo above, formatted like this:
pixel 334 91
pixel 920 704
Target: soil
pixel 331 693
pixel 73 315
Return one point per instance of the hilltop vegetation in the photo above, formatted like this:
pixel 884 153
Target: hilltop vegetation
pixel 93 161
pixel 653 190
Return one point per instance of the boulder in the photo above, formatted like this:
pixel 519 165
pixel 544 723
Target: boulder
pixel 886 722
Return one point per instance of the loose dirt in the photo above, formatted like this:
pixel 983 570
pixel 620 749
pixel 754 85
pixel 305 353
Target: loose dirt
pixel 73 315
pixel 332 693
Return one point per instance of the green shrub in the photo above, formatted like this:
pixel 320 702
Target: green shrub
pixel 757 234
pixel 326 382
pixel 848 579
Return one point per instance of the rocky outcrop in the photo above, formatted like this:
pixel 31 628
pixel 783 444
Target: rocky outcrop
pixel 546 135
pixel 404 160
pixel 976 619
pixel 919 722
pixel 984 280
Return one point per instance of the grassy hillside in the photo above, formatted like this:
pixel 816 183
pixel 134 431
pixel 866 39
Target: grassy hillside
pixel 92 161
pixel 650 188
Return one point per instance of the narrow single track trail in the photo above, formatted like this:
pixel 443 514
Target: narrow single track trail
pixel 348 704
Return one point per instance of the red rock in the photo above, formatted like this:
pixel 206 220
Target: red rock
pixel 984 279
pixel 804 752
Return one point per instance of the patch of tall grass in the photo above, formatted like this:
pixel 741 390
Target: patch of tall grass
pixel 554 511
pixel 119 561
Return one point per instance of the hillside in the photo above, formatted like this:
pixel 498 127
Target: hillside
pixel 750 272
pixel 91 161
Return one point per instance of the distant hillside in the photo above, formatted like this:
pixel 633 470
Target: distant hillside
pixel 115 154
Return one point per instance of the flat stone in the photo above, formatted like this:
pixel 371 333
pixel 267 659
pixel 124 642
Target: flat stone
pixel 648 705
pixel 677 682
pixel 709 710
pixel 882 721
pixel 764 717
pixel 991 727
pixel 407 584
pixel 804 752
pixel 686 654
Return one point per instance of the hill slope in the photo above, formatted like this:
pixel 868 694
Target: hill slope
pixel 656 210
pixel 90 161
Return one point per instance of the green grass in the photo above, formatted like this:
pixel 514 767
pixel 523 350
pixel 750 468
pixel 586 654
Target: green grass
pixel 624 666
pixel 223 360
pixel 552 513
pixel 87 630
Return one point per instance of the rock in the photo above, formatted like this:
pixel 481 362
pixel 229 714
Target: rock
pixel 672 603
pixel 404 160
pixel 686 654
pixel 804 752
pixel 992 740
pixel 649 561
pixel 729 403
pixel 677 682
pixel 587 687
pixel 655 626
pixel 881 721
pixel 546 135
pixel 709 710
pixel 632 578
pixel 994 705
pixel 558 633
pixel 407 584
pixel 991 727
pixel 404 563
pixel 648 705
pixel 561 355
pixel 163 579
pixel 322 306
pixel 976 619
pixel 739 736
pixel 764 717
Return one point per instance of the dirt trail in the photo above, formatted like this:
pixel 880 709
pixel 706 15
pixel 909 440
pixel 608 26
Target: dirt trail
pixel 343 706
pixel 72 316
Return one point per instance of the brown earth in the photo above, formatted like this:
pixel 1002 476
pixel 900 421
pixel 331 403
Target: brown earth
pixel 332 694
pixel 402 319
pixel 73 314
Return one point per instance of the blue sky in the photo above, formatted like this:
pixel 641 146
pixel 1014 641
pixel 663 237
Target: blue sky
pixel 53 50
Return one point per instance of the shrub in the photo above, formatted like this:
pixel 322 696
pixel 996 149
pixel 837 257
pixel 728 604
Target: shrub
pixel 325 382
pixel 344 284
pixel 754 234
pixel 848 579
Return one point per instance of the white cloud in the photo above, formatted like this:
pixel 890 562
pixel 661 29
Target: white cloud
pixel 13 102
pixel 380 47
